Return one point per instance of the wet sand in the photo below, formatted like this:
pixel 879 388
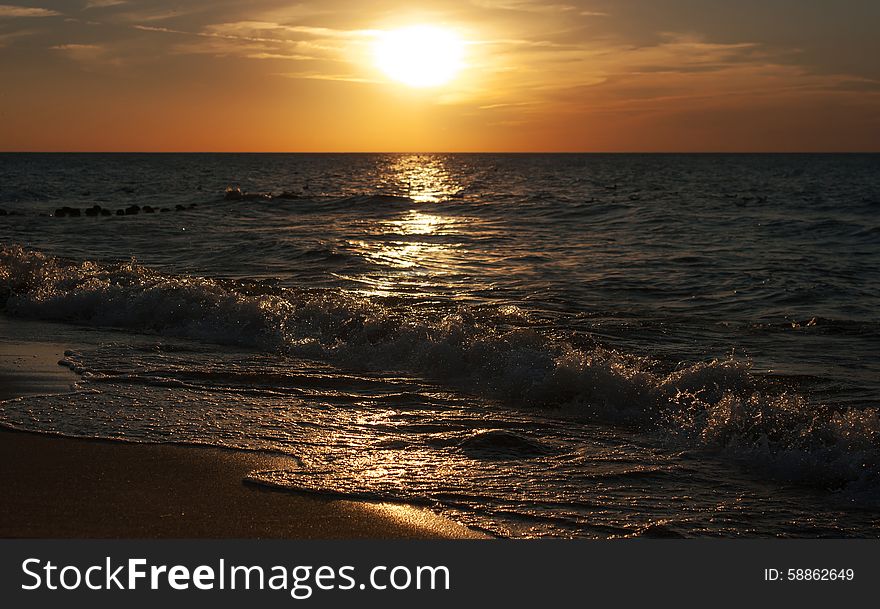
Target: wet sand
pixel 71 488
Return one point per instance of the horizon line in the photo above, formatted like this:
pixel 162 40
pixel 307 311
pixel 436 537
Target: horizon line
pixel 353 152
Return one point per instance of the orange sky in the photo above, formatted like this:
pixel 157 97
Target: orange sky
pixel 592 75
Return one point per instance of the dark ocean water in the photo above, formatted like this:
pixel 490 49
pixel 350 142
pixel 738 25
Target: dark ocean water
pixel 535 345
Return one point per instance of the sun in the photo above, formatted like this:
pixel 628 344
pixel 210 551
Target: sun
pixel 420 55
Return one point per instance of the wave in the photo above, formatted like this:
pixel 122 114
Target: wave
pixel 235 193
pixel 493 351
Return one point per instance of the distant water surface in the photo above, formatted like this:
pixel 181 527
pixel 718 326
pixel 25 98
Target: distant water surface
pixel 534 345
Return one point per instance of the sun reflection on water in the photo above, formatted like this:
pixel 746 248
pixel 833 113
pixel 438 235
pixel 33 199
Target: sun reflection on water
pixel 417 251
pixel 418 223
pixel 422 249
pixel 422 178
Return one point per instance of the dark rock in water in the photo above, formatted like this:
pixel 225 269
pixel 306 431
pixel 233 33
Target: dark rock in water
pixel 193 205
pixel 2 212
pixel 61 212
pixel 93 211
pixel 105 212
pixel 120 212
pixel 148 209
pixel 164 209
pixel 500 444
pixel 287 194
pixel 236 194
pixel 179 207
pixel 132 210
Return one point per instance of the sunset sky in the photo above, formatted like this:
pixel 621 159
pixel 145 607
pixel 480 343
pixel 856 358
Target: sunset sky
pixel 557 75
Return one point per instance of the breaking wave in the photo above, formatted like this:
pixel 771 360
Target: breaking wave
pixel 492 351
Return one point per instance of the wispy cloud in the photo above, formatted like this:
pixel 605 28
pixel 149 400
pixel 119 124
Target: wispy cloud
pixel 262 30
pixel 85 53
pixel 281 56
pixel 320 76
pixel 8 11
pixel 162 30
pixel 527 6
pixel 104 3
pixel 680 72
pixel 76 47
pixel 132 12
pixel 268 40
pixel 8 37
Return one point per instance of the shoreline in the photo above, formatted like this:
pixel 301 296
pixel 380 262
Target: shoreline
pixel 31 368
pixel 61 487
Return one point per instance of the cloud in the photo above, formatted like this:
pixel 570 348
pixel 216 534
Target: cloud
pixel 261 30
pixel 8 11
pixel 529 82
pixel 7 37
pixel 86 53
pixel 280 56
pixel 104 3
pixel 525 6
pixel 153 11
pixel 75 47
pixel 163 30
pixel 320 76
pixel 268 40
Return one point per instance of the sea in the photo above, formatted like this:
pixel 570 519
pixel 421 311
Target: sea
pixel 534 345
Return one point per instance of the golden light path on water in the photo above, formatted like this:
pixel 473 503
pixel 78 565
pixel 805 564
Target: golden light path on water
pixel 418 247
pixel 422 178
pixel 414 261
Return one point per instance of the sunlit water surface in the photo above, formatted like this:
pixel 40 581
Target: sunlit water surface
pixel 534 345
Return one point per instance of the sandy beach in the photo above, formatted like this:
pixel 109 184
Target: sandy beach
pixel 78 488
